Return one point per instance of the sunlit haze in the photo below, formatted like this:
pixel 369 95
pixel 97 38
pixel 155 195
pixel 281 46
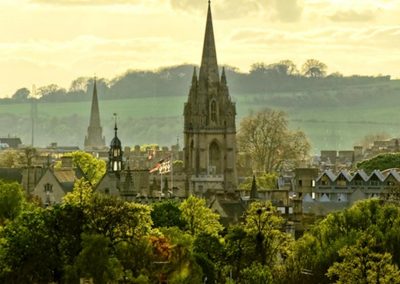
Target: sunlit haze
pixel 55 41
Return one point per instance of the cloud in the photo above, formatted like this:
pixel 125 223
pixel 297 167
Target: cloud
pixel 289 10
pixel 352 16
pixel 86 2
pixel 276 10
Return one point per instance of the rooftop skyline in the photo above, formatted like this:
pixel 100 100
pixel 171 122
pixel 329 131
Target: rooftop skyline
pixel 55 41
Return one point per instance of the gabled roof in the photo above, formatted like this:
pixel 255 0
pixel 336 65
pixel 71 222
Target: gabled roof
pixel 378 174
pixel 329 174
pixel 345 174
pixel 66 178
pixel 362 174
pixel 395 174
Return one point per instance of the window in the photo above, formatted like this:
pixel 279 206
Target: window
pixel 213 111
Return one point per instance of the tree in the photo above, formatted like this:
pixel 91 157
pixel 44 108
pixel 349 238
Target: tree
pixel 264 224
pixel 12 200
pixel 380 162
pixel 10 158
pixel 21 95
pixel 314 69
pixel 361 264
pixel 96 261
pixel 318 248
pixel 116 219
pixel 92 168
pixel 264 181
pixel 285 67
pixel 198 217
pixel 272 146
pixel 167 214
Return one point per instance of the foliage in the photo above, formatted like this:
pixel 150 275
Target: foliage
pixel 92 168
pixel 264 181
pixel 264 225
pixel 380 162
pixel 116 219
pixel 361 264
pixel 198 217
pixel 266 137
pixel 95 260
pixel 81 194
pixel 314 68
pixel 10 158
pixel 256 273
pixel 318 249
pixel 167 214
pixel 12 200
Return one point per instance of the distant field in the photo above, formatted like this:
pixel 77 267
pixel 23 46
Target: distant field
pixel 159 120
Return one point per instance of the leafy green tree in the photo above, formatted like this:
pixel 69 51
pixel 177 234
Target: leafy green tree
pixel 380 162
pixel 116 219
pixel 167 214
pixel 96 261
pixel 318 249
pixel 264 181
pixel 29 251
pixel 10 158
pixel 256 273
pixel 210 255
pixel 198 217
pixel 81 194
pixel 12 200
pixel 264 224
pixel 361 264
pixel 92 168
pixel 239 250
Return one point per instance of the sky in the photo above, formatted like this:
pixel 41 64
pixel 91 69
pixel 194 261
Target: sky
pixel 56 41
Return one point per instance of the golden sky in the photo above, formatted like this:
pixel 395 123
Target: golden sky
pixel 56 41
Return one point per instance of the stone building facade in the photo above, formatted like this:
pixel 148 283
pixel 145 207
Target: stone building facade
pixel 209 126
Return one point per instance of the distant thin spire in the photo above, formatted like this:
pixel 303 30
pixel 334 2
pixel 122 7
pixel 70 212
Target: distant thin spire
pixel 209 66
pixel 115 127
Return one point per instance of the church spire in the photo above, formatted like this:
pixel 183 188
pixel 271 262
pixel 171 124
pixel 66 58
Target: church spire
pixel 95 138
pixel 94 112
pixel 209 66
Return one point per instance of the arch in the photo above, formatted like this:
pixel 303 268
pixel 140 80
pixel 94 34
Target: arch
pixel 215 158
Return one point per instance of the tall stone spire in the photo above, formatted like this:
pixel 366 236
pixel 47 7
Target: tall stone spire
pixel 209 66
pixel 209 126
pixel 94 139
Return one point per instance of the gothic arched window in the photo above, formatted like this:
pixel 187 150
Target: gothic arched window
pixel 214 158
pixel 213 111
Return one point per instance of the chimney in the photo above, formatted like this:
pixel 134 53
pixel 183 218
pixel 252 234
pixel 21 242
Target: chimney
pixel 66 162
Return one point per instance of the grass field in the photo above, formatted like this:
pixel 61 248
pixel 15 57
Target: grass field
pixel 160 120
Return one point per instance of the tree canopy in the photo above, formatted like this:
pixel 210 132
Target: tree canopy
pixel 266 136
pixel 380 162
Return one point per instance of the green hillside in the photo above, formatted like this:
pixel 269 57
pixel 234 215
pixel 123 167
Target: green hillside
pixel 159 119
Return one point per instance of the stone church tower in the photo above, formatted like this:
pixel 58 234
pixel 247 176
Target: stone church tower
pixel 210 130
pixel 94 139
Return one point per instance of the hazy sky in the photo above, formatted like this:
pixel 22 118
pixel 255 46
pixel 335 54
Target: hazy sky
pixel 56 41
